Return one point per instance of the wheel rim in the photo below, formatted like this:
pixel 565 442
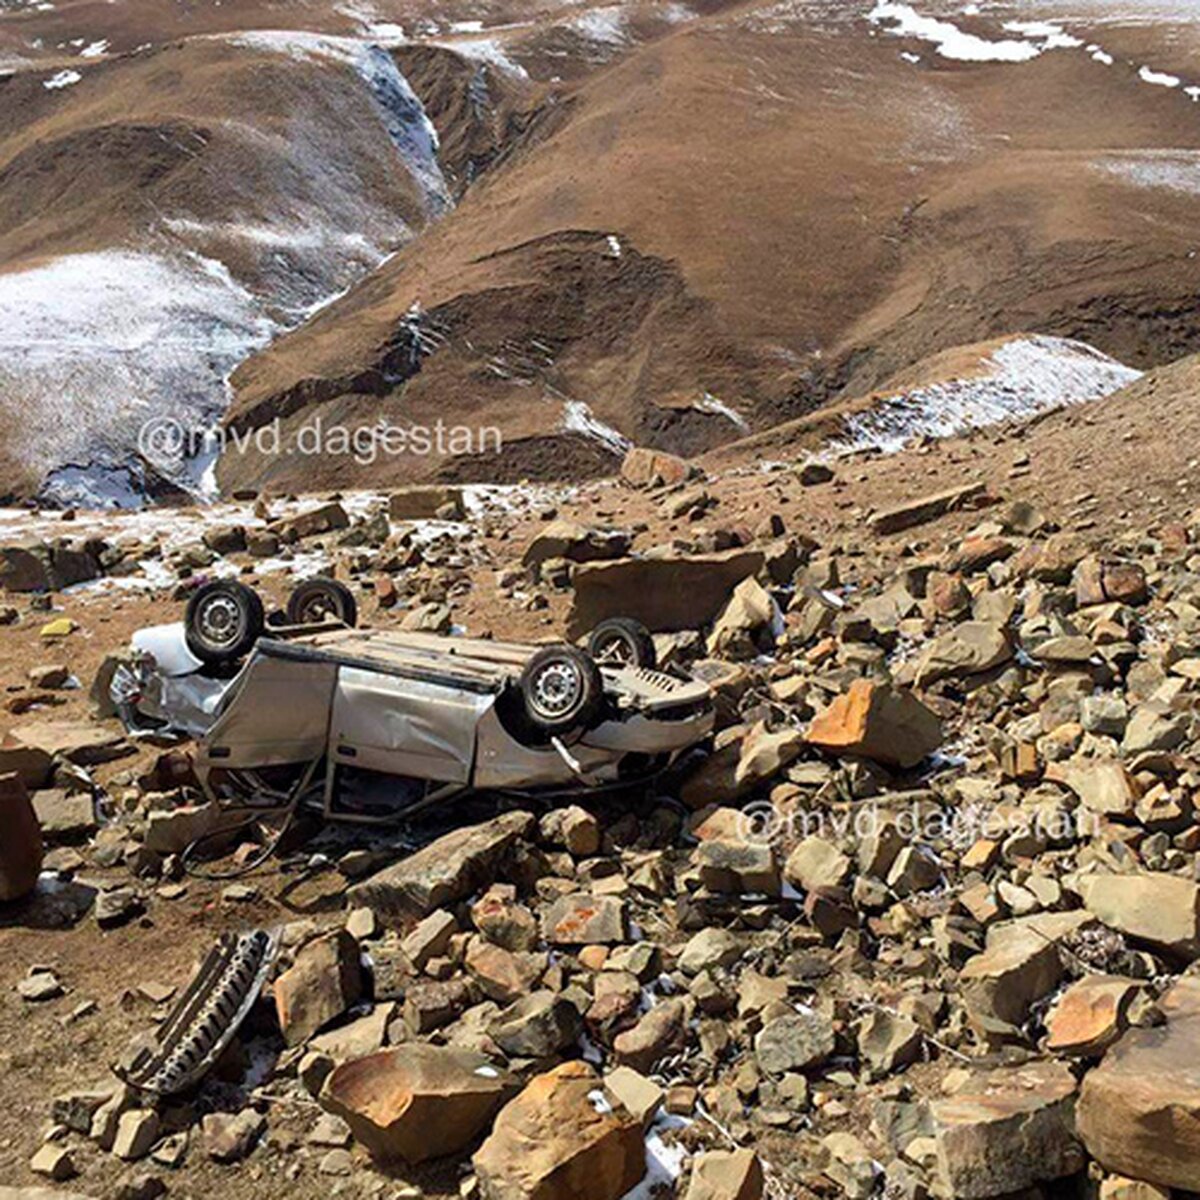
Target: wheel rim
pixel 615 650
pixel 220 621
pixel 318 608
pixel 557 690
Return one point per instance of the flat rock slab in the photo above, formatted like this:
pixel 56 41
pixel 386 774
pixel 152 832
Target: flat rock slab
pixel 1161 912
pixel 1007 1130
pixel 666 594
pixel 926 508
pixel 76 741
pixel 1139 1110
pixel 444 872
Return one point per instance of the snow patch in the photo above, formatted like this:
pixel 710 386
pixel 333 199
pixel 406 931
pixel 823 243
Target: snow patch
pixel 951 41
pixel 486 50
pixel 93 344
pixel 708 403
pixel 1024 377
pixel 63 79
pixel 603 25
pixel 408 124
pixel 95 50
pixel 1158 78
pixel 1175 170
pixel 578 418
pixel 664 1163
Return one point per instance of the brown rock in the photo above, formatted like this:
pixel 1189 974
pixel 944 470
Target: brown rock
pixel 553 1143
pixel 1105 580
pixel 575 543
pixel 444 872
pixel 1020 965
pixel 1159 911
pixel 586 920
pixel 21 845
pixel 875 721
pixel 927 508
pixel 1090 1015
pixel 1007 1130
pixel 662 1031
pixel 1137 1109
pixel 644 467
pixel 424 502
pixel 418 1101
pixel 726 1175
pixel 323 983
pixel 666 593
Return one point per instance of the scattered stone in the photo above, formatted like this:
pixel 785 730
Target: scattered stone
pixel 228 1138
pixel 1133 1108
pixel 324 982
pixel 794 1042
pixel 1007 1130
pixel 877 722
pixel 137 1131
pixel 417 1102
pixel 554 1140
pixel 726 1175
pixel 586 920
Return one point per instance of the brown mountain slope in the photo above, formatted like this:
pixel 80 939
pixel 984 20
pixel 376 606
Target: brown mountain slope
pixel 830 212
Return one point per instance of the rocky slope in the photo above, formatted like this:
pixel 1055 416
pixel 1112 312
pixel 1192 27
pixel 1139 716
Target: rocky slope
pixel 922 920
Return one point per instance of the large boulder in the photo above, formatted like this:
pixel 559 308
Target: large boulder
pixel 418 1101
pixel 1158 911
pixel 39 567
pixel 876 721
pixel 1139 1110
pixel 667 593
pixel 1007 1130
pixel 554 1141
pixel 444 872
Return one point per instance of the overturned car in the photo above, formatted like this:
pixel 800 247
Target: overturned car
pixel 371 724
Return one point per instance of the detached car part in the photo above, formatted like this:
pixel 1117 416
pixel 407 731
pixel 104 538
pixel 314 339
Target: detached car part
pixel 207 1016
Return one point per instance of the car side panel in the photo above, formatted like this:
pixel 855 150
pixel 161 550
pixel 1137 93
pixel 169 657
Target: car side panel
pixel 405 726
pixel 276 712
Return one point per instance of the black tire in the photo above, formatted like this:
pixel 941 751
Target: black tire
pixel 223 620
pixel 623 642
pixel 320 599
pixel 561 689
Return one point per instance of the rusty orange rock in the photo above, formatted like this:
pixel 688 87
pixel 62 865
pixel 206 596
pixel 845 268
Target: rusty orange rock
pixel 873 720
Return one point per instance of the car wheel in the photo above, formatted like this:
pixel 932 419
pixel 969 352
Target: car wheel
pixel 223 621
pixel 562 689
pixel 622 642
pixel 320 599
